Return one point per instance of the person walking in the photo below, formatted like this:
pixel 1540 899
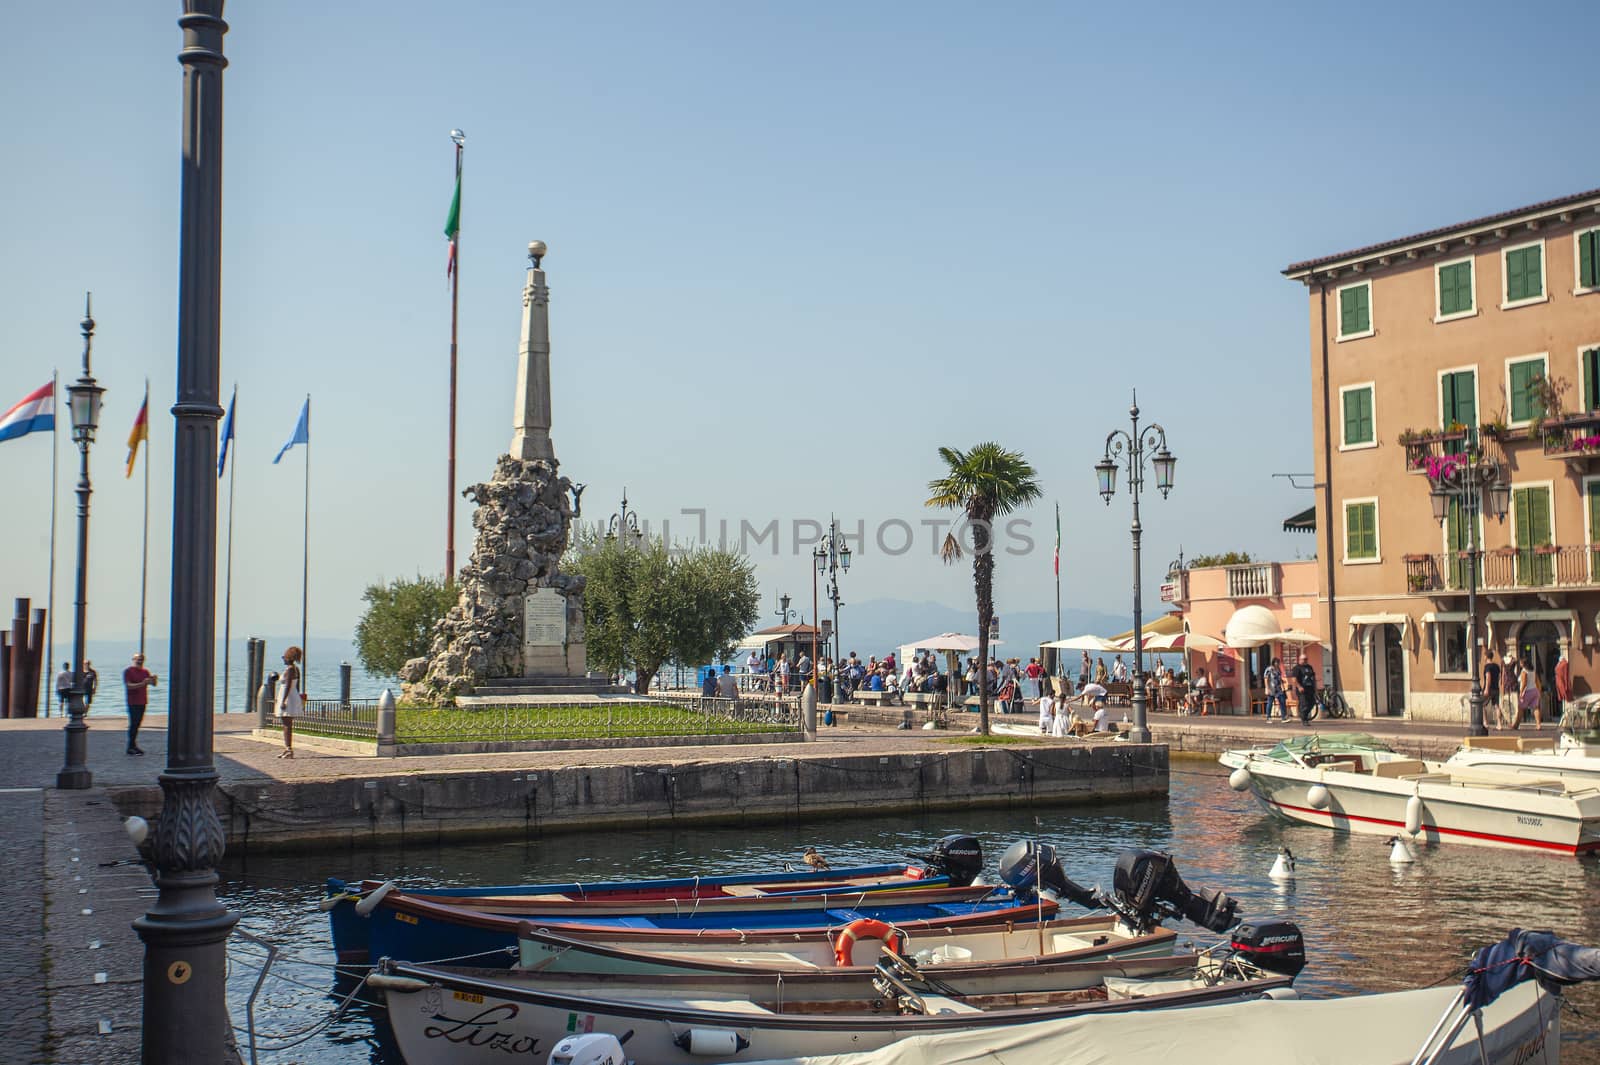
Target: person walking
pixel 1511 690
pixel 64 685
pixel 290 699
pixel 1276 693
pixel 91 683
pixel 1530 696
pixel 136 684
pixel 1306 679
pixel 1084 668
pixel 1047 713
pixel 1558 709
pixel 1491 692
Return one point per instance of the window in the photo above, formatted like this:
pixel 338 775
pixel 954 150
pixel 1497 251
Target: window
pixel 1524 269
pixel 1355 311
pixel 1454 281
pixel 1458 400
pixel 1589 364
pixel 1361 531
pixel 1588 250
pixel 1591 500
pixel 1530 510
pixel 1359 430
pixel 1457 540
pixel 1452 646
pixel 1523 380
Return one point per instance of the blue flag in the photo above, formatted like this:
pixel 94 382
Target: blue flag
pixel 302 431
pixel 227 434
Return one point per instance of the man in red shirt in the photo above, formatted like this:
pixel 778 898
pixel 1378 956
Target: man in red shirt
pixel 137 682
pixel 1563 685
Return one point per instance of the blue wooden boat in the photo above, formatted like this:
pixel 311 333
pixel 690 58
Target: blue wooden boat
pixel 954 861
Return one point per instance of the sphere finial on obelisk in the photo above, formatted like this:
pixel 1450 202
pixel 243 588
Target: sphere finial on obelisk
pixel 530 422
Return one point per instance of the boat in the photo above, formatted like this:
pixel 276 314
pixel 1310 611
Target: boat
pixel 954 861
pixel 421 929
pixel 1379 792
pixel 1571 752
pixel 443 1016
pixel 949 951
pixel 1325 743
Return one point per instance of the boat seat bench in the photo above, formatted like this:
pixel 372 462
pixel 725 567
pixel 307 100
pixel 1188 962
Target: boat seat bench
pixel 1401 767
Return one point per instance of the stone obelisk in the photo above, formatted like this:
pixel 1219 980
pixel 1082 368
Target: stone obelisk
pixel 518 615
pixel 530 422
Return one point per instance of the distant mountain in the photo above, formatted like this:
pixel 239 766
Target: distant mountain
pixel 877 626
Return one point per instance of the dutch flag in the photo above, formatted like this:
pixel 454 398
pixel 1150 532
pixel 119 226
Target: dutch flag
pixel 36 413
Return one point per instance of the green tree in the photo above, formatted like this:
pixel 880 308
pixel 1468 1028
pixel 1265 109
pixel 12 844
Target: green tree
pixel 398 622
pixel 645 604
pixel 1226 558
pixel 985 483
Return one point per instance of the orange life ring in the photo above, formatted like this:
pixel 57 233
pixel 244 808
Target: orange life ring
pixel 866 928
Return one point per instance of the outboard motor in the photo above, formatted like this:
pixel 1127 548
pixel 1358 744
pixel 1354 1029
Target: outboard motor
pixel 1028 866
pixel 956 856
pixel 1276 946
pixel 1146 889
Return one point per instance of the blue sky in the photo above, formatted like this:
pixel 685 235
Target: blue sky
pixel 792 251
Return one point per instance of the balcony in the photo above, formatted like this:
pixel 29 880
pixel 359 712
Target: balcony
pixel 1575 440
pixel 1426 449
pixel 1255 581
pixel 1506 569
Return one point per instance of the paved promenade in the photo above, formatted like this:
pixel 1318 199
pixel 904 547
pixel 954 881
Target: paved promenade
pixel 74 886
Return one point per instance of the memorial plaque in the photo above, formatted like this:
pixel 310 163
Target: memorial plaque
pixel 544 618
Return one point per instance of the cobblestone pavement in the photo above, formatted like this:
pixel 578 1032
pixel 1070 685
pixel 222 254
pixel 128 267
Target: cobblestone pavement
pixel 23 1024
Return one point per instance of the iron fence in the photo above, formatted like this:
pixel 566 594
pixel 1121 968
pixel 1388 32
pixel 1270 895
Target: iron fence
pixel 663 715
pixel 356 719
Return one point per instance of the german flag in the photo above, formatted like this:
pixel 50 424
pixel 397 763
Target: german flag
pixel 141 431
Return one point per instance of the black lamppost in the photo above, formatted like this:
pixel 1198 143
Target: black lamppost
pixel 185 933
pixel 1478 486
pixel 833 555
pixel 783 610
pixel 83 398
pixel 1132 447
pixel 624 523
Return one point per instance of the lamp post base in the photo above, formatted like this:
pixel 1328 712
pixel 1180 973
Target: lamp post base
pixel 75 774
pixel 1139 731
pixel 1475 725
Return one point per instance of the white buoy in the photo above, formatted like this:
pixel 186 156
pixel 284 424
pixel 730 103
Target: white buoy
pixel 1414 814
pixel 375 896
pixel 1239 779
pixel 138 829
pixel 1400 852
pixel 1318 797
pixel 1283 868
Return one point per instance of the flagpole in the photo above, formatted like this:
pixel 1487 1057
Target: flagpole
pixel 50 613
pixel 1058 573
pixel 305 553
pixel 455 302
pixel 144 548
pixel 227 595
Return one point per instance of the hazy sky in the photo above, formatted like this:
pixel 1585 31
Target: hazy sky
pixel 793 249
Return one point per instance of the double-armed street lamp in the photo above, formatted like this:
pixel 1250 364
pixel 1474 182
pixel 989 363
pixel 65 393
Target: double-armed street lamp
pixel 624 523
pixel 83 400
pixel 1131 449
pixel 1477 485
pixel 832 555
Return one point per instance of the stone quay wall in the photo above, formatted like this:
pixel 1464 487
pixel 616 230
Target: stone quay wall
pixel 438 806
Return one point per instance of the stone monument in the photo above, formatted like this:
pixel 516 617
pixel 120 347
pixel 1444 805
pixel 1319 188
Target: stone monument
pixel 518 615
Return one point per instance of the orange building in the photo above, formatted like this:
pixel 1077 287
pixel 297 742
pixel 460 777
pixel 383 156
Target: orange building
pixel 1478 337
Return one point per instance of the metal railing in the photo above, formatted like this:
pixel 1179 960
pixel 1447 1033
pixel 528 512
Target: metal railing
pixel 1257 580
pixel 1577 435
pixel 1434 446
pixel 1507 569
pixel 353 720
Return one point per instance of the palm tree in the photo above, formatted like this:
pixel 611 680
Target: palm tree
pixel 986 482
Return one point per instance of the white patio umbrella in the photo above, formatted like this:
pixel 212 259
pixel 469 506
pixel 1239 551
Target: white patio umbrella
pixel 1085 643
pixel 1291 636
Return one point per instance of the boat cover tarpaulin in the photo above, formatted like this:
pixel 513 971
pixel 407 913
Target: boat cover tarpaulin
pixel 1369 1029
pixel 1528 956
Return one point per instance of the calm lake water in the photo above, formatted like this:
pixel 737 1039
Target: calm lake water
pixel 1369 926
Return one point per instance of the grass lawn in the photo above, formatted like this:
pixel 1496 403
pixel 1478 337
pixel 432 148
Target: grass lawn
pixel 512 723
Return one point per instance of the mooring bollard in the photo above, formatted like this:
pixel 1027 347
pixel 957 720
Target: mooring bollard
pixel 344 684
pixel 808 711
pixel 386 722
pixel 252 670
pixel 266 701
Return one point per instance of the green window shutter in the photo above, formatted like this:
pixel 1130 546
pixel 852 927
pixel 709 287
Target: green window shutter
pixel 1455 288
pixel 1360 530
pixel 1525 404
pixel 1459 403
pixel 1522 274
pixel 1592 490
pixel 1589 259
pixel 1355 310
pixel 1591 379
pixel 1358 416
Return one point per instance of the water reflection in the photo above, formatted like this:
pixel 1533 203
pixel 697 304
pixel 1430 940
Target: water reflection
pixel 1370 924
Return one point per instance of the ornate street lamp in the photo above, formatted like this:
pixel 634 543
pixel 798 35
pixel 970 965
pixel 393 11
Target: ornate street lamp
pixel 783 610
pixel 1131 449
pixel 624 522
pixel 833 555
pixel 83 401
pixel 1477 485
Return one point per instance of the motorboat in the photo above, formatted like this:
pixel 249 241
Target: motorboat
pixel 952 862
pixel 1571 752
pixel 1325 743
pixel 1380 792
pixel 442 1015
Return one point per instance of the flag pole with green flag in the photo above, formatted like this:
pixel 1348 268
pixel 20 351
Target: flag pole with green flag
pixel 452 269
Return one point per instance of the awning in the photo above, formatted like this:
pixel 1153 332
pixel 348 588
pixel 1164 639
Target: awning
pixel 1291 636
pixel 1250 626
pixel 1305 521
pixel 1355 621
pixel 1165 625
pixel 1083 643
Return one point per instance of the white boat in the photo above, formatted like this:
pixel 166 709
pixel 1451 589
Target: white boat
pixel 1383 793
pixel 1522 1027
pixel 1573 751
pixel 950 952
pixel 445 1016
pixel 1322 742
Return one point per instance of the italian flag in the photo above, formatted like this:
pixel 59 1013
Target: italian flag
pixel 452 226
pixel 141 431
